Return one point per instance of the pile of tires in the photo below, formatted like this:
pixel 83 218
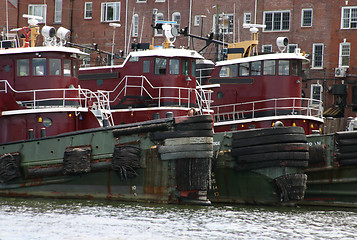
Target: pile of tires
pixel 346 145
pixel 190 144
pixel 270 147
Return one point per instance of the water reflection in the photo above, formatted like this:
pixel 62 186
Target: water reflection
pixel 64 219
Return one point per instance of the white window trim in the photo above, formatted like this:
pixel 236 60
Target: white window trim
pixel 197 20
pixel 117 18
pixel 159 0
pixel 313 56
pixel 280 30
pixel 58 11
pixel 141 1
pixel 340 54
pixel 44 11
pixel 267 45
pixel 85 9
pixel 221 30
pixel 157 18
pixel 312 93
pixel 245 17
pixel 135 25
pixel 302 16
pixel 173 19
pixel 349 20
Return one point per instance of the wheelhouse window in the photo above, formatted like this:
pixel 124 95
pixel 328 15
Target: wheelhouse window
pixel 269 67
pixel 174 66
pixel 23 67
pixel 146 66
pixel 160 66
pixel 306 18
pixel 344 56
pixel 193 68
pixel 244 69
pixel 296 68
pixel 110 12
pixel 349 18
pixel 229 71
pixel 284 67
pixel 277 21
pixel 185 67
pixel 88 10
pixel 38 10
pixel 67 67
pixel 55 66
pixel 256 68
pixel 39 67
pixel 317 55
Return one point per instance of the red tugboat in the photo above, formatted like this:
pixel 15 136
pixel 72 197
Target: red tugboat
pixel 261 123
pixel 58 140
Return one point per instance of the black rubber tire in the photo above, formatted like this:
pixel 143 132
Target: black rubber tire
pixel 343 156
pixel 281 147
pixel 271 139
pixel 180 134
pixel 268 164
pixel 348 162
pixel 185 148
pixel 185 155
pixel 346 135
pixel 345 142
pixel 194 119
pixel 194 126
pixel 346 149
pixel 317 154
pixel 261 157
pixel 252 133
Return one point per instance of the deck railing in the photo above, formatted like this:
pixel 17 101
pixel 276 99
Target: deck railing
pixel 62 97
pixel 268 107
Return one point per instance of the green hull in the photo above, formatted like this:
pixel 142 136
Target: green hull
pixel 332 180
pixel 255 181
pixel 114 163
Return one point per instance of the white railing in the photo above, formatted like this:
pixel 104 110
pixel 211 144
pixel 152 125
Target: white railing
pixel 62 97
pixel 271 107
pixel 181 95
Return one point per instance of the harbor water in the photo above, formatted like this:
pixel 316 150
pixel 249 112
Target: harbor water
pixel 37 219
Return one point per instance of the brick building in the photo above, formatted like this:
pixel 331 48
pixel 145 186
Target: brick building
pixel 324 29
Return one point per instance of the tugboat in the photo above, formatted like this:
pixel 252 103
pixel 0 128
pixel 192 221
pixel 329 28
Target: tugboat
pixel 59 140
pixel 260 122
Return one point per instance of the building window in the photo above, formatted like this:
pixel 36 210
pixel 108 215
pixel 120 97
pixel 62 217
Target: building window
pixel 349 18
pixel 277 21
pixel 247 18
pixel 176 17
pixel 141 1
pixel 38 10
pixel 58 11
pixel 316 90
pixel 135 25
pixel 267 48
pixel 306 18
pixel 159 0
pixel 159 17
pixel 225 23
pixel 317 55
pixel 344 55
pixel 292 47
pixel 196 21
pixel 88 9
pixel 110 12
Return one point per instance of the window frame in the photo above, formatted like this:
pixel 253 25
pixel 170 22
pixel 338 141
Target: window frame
pixel 135 32
pixel 347 20
pixel 116 11
pixel 341 56
pixel 313 63
pixel 174 17
pixel 43 11
pixel 267 46
pixel 273 22
pixel 303 17
pixel 315 101
pixel 58 11
pixel 159 17
pixel 86 4
pixel 245 18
